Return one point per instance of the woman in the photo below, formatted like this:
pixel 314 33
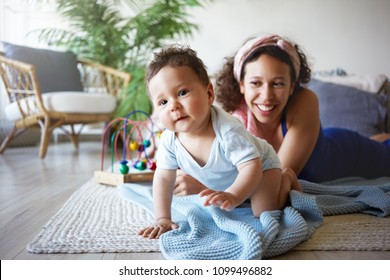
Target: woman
pixel 262 85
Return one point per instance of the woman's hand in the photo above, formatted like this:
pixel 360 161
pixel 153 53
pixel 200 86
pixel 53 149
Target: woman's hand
pixel 186 185
pixel 223 200
pixel 162 225
pixel 290 180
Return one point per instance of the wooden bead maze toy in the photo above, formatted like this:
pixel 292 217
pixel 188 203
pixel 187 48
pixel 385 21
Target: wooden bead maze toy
pixel 138 150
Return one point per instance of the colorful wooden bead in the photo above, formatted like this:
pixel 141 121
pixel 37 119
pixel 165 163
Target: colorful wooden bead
pixel 134 145
pixel 152 165
pixel 147 143
pixel 140 165
pixel 124 169
pixel 141 148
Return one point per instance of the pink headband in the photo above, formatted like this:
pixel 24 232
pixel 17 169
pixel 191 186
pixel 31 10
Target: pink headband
pixel 253 44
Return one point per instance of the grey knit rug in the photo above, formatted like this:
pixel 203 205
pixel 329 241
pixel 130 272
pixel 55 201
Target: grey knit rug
pixel 352 232
pixel 96 219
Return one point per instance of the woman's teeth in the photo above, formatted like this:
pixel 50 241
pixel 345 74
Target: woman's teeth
pixel 265 107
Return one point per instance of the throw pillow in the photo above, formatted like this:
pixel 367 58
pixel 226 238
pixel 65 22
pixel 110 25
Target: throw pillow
pixel 351 108
pixel 56 71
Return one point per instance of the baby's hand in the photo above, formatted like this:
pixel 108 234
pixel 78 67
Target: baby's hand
pixel 154 232
pixel 224 200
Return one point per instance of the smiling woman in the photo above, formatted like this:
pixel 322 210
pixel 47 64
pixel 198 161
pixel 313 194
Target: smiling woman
pixel 263 85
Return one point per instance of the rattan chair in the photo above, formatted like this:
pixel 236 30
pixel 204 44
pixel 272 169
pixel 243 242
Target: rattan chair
pixel 32 108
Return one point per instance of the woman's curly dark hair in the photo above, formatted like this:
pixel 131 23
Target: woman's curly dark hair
pixel 227 88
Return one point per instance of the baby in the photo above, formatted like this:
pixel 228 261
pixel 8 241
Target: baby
pixel 207 143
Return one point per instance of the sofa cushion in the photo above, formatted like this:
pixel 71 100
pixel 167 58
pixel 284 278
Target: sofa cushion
pixel 56 71
pixel 68 102
pixel 373 83
pixel 351 108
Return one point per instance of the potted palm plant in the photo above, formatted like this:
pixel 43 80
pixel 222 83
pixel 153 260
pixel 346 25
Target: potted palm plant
pixel 101 31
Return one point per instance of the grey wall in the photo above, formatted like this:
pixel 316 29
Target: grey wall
pixel 351 34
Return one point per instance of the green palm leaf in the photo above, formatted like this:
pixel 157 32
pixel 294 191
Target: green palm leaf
pixel 98 30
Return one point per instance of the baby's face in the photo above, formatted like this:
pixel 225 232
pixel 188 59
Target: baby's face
pixel 181 101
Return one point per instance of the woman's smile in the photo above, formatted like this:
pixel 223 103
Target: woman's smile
pixel 265 108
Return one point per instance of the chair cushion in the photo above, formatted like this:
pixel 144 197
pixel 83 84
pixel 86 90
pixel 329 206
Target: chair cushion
pixel 56 71
pixel 69 102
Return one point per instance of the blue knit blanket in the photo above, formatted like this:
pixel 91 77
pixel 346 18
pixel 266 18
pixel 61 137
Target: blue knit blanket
pixel 211 233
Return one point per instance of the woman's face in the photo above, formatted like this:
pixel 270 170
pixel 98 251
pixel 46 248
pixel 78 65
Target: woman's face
pixel 267 87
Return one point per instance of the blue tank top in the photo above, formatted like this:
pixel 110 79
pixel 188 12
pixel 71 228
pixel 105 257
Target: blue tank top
pixel 342 153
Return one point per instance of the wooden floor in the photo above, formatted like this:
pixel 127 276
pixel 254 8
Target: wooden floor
pixel 32 190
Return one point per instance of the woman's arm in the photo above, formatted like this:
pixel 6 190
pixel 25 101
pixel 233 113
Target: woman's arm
pixel 303 125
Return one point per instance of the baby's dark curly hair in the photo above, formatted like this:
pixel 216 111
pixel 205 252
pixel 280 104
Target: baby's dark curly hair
pixel 227 88
pixel 177 56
